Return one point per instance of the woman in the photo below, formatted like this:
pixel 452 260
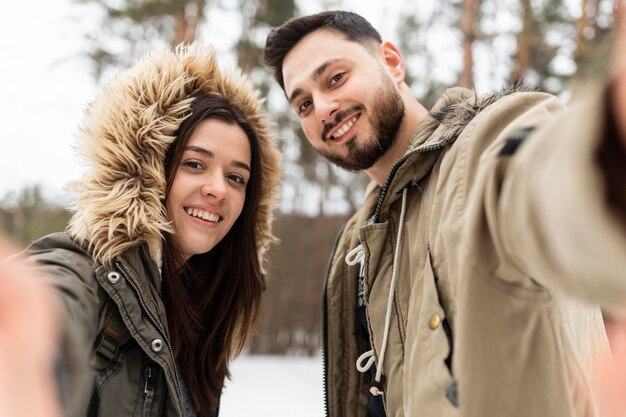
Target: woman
pixel 159 273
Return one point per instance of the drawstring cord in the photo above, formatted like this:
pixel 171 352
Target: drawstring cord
pixel 358 255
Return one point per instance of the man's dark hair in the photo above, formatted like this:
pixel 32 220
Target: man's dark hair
pixel 283 38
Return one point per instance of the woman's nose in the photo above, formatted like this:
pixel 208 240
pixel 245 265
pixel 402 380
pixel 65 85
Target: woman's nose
pixel 215 187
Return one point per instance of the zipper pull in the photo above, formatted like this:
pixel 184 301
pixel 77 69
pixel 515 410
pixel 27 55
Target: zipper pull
pixel 148 385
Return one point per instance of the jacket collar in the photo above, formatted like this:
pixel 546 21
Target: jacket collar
pixel 438 130
pixel 441 126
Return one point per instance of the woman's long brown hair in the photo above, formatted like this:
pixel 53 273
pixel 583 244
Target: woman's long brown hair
pixel 212 302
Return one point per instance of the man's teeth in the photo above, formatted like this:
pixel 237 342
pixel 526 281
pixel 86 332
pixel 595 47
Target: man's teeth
pixel 343 129
pixel 204 215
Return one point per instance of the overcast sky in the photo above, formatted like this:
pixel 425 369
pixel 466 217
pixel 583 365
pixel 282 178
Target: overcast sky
pixel 41 97
pixel 45 87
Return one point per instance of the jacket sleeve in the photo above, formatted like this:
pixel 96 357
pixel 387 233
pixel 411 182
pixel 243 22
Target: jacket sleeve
pixel 546 203
pixel 69 269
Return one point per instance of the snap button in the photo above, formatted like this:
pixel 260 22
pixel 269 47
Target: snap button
pixel 434 321
pixel 113 277
pixel 157 345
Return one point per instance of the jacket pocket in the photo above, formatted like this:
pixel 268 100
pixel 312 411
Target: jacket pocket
pixel 103 376
pixel 429 386
pixel 120 389
pixel 435 330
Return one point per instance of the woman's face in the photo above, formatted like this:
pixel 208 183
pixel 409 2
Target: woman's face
pixel 209 187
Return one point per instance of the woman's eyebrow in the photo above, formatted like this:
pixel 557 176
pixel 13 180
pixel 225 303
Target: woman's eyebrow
pixel 209 154
pixel 239 164
pixel 200 150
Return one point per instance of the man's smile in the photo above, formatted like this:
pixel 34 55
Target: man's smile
pixel 344 128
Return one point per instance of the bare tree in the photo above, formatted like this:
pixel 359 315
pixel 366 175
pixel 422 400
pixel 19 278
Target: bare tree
pixel 524 41
pixel 594 26
pixel 468 26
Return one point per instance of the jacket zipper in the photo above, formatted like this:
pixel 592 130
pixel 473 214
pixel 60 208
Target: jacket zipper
pixel 152 319
pixel 381 197
pixel 325 322
pixel 148 391
pixel 392 172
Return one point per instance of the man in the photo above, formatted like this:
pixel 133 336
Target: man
pixel 459 287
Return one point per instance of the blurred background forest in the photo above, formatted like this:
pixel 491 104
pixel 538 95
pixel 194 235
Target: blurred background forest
pixel 482 43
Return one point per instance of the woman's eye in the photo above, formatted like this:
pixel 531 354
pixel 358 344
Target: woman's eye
pixel 237 178
pixel 192 164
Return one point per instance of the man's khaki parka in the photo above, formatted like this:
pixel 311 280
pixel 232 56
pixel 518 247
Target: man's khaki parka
pixel 107 266
pixel 498 225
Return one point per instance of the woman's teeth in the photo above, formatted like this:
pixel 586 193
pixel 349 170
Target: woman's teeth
pixel 204 215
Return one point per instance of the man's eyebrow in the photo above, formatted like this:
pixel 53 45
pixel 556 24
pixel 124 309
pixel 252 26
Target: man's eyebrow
pixel 314 76
pixel 320 70
pixel 209 154
pixel 297 92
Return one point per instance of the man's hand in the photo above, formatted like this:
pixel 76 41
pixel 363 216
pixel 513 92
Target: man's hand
pixel 28 341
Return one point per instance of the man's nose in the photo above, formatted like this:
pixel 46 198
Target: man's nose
pixel 325 108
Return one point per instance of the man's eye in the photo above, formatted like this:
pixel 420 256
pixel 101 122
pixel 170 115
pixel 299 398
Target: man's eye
pixel 336 78
pixel 304 106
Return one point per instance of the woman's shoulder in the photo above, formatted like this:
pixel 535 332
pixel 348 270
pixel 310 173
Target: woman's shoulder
pixel 62 250
pixel 57 241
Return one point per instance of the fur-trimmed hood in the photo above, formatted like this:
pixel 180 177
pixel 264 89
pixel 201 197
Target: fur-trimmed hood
pixel 124 139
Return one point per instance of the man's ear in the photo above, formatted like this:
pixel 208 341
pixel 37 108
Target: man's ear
pixel 393 60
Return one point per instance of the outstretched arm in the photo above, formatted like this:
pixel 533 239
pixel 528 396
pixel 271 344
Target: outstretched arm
pixel 28 341
pixel 614 367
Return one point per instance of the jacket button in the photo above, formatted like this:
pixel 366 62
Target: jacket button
pixel 113 277
pixel 157 345
pixel 434 321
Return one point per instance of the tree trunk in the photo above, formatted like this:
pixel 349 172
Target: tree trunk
pixel 469 17
pixel 186 21
pixel 524 43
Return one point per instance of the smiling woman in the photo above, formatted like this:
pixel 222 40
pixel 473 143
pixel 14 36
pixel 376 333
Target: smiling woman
pixel 208 190
pixel 213 175
pixel 159 276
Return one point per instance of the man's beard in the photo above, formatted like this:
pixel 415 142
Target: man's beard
pixel 386 116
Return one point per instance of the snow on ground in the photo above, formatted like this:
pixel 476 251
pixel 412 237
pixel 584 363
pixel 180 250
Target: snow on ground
pixel 274 386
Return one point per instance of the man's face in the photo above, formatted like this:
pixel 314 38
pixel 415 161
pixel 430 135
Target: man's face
pixel 349 107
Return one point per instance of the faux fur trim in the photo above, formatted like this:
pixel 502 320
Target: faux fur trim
pixel 124 139
pixel 457 108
